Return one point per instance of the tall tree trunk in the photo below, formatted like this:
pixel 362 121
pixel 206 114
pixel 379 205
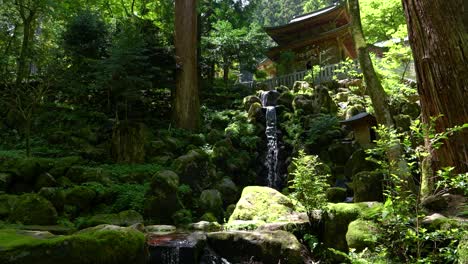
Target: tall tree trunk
pixel 226 73
pixel 186 102
pixel 439 42
pixel 22 71
pixel 379 98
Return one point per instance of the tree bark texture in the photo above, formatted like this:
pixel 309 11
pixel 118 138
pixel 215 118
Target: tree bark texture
pixel 439 40
pixel 186 102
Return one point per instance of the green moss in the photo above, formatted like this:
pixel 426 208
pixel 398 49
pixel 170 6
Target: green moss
pixel 124 218
pixel 33 209
pixel 96 246
pixel 262 203
pixel 361 234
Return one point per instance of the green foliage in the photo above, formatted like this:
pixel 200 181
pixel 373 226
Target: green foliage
pixel 129 197
pixel 382 20
pixel 404 238
pixel 313 5
pixel 310 182
pixel 318 127
pixel 86 36
pixel 286 62
pixel 312 74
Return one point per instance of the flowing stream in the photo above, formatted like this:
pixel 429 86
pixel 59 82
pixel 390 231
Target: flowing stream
pixel 272 140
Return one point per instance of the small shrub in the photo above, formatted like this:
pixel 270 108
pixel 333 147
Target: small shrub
pixel 310 182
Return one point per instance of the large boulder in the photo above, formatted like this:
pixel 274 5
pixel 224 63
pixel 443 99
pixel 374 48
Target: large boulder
pixel 250 100
pixel 7 203
pixel 192 168
pixel 337 219
pixel 303 103
pixel 362 234
pixel 211 201
pixel 300 85
pixel 124 218
pixel 367 186
pixel 33 209
pixel 322 101
pixel 82 174
pixel 105 245
pixel 264 247
pixel 264 204
pixel 161 202
pixel 228 190
pixel 357 163
pixel 80 199
pixel 5 181
pixel 255 113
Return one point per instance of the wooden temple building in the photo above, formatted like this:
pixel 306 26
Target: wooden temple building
pixel 322 37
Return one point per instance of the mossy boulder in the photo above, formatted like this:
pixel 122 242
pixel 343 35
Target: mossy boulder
pixel 262 203
pixel 228 190
pixel 362 234
pixel 7 203
pixel 263 247
pixel 303 103
pixel 162 202
pixel 357 163
pixel 249 101
pixel 61 165
pixel 55 195
pixel 211 201
pixel 165 180
pixel 27 170
pixel 337 219
pixel 5 181
pixel 192 168
pixel 286 99
pixel 45 180
pixel 336 195
pixel 300 85
pixel 367 186
pixel 205 226
pixel 82 174
pixel 80 197
pixel 33 209
pixel 107 245
pixel 124 218
pixel 214 136
pixel 255 112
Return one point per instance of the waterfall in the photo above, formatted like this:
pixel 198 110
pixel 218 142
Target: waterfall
pixel 272 141
pixel 170 255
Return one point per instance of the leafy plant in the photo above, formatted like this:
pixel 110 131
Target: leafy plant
pixel 309 183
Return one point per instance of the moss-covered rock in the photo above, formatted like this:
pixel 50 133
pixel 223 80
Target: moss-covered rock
pixel 367 186
pixel 303 103
pixel 249 101
pixel 337 219
pixel 286 99
pixel 105 245
pixel 162 202
pixel 82 174
pixel 300 85
pixel 362 234
pixel 255 112
pixel 192 168
pixel 357 163
pixel 265 247
pixel 262 203
pixel 33 209
pixel 336 195
pixel 228 190
pixel 45 180
pixel 211 201
pixel 124 218
pixel 5 181
pixel 55 195
pixel 61 165
pixel 80 197
pixel 7 203
pixel 208 217
pixel 205 226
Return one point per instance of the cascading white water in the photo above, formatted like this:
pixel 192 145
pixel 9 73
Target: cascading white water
pixel 272 141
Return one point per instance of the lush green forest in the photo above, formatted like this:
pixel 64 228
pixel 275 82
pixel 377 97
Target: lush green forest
pixel 233 131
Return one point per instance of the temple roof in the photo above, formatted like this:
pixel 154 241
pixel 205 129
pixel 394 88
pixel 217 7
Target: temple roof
pixel 315 29
pixel 361 117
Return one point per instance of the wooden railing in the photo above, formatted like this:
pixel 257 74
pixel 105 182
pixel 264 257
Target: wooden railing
pixel 325 75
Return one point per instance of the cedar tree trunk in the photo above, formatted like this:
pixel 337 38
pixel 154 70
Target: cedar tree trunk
pixel 439 41
pixel 186 102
